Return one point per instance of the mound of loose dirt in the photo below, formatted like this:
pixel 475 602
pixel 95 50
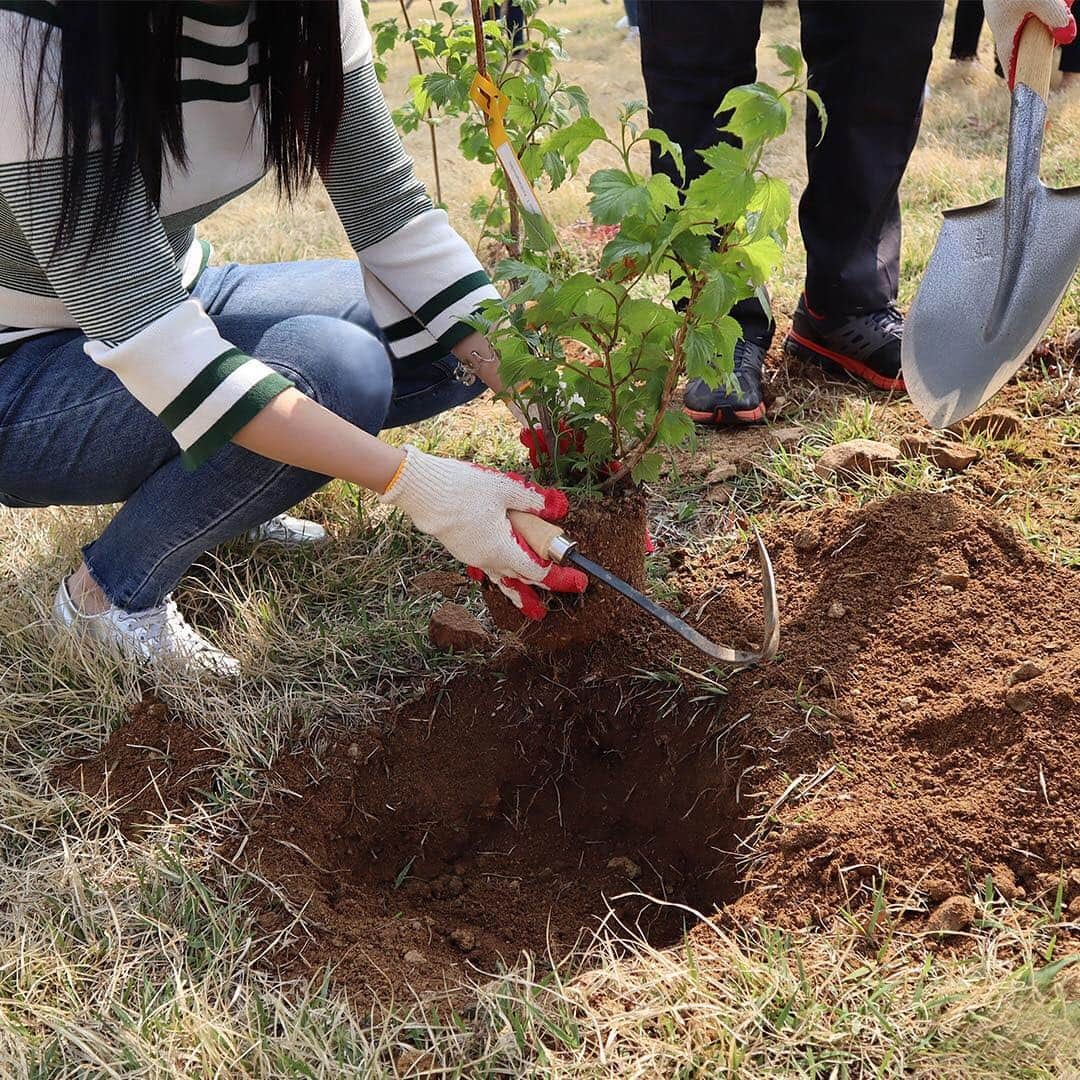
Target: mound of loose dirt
pixel 151 765
pixel 918 731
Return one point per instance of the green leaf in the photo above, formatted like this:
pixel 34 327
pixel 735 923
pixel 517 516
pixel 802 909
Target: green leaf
pixel 668 146
pixel 578 98
pixel 625 253
pixel 759 113
pixel 675 428
pixel 662 192
pixel 717 297
pixel 771 206
pixel 574 139
pixel 534 280
pixel 693 250
pixel 722 192
pixel 792 60
pixel 759 257
pixel 815 99
pixel 699 350
pixel 647 470
pixel 616 196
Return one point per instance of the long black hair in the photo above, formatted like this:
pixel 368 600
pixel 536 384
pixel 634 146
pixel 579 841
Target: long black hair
pixel 119 77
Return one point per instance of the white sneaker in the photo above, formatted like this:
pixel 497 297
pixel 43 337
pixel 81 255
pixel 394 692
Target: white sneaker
pixel 158 635
pixel 287 531
pixel 623 23
pixel 633 34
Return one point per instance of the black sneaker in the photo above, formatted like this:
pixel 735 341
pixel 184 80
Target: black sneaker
pixel 864 346
pixel 739 404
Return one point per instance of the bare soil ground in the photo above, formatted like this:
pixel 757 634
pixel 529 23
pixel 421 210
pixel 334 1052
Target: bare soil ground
pixel 912 739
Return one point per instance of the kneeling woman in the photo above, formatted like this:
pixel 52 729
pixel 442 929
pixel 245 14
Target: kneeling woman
pixel 211 399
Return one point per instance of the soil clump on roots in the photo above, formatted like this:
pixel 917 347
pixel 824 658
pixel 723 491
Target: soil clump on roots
pixel 917 733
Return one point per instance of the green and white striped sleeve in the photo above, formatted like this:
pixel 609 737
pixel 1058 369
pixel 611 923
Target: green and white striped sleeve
pixel 422 278
pixel 125 292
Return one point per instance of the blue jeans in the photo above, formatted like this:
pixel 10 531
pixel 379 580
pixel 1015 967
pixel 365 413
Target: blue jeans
pixel 71 434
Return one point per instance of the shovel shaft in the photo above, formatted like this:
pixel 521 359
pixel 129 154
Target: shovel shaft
pixel 1035 58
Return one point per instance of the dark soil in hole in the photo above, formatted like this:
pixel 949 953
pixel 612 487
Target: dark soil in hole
pixel 500 814
pixel 612 533
pixel 884 747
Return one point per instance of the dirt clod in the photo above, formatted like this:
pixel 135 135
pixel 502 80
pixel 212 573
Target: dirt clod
pixel 720 473
pixel 463 939
pixel 856 457
pixel 415 956
pixel 1029 669
pixel 836 610
pixel 909 703
pixel 622 865
pixel 952 916
pixel 455 627
pixel 997 423
pixel 807 540
pixel 953 457
pixel 1020 701
pixel 439 581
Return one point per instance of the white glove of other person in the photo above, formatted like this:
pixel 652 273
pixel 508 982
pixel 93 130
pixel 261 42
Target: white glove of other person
pixel 464 507
pixel 1007 19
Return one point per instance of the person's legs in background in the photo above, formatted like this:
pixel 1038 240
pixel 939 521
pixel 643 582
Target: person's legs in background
pixel 850 211
pixel 1070 64
pixel 692 53
pixel 967 25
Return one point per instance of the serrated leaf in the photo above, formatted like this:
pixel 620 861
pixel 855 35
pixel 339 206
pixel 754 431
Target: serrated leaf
pixel 716 298
pixel 534 280
pixel 675 427
pixel 668 146
pixel 815 99
pixel 626 253
pixel 647 470
pixel 573 140
pixel 616 195
pixel 692 249
pixel 664 194
pixel 760 258
pixel 771 206
pixel 698 349
pixel 792 60
pixel 758 113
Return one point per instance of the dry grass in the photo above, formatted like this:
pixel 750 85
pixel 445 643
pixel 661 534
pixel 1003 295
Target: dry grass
pixel 137 956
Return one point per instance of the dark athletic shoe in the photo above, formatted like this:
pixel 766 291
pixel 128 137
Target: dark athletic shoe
pixel 866 347
pixel 739 404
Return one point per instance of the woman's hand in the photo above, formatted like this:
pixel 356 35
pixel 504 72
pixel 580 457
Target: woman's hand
pixel 1007 19
pixel 464 507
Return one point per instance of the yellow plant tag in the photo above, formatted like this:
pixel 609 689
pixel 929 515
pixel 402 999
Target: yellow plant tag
pixel 493 104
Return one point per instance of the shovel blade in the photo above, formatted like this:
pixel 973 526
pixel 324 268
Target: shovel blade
pixel 994 282
pixel 963 338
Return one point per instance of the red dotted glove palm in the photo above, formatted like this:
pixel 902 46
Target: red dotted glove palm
pixel 464 506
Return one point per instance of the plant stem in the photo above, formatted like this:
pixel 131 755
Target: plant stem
pixel 430 123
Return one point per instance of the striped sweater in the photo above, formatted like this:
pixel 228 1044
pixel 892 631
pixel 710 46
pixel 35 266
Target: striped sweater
pixel 131 295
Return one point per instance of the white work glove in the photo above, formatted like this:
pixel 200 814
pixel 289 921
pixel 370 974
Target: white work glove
pixel 464 507
pixel 1008 17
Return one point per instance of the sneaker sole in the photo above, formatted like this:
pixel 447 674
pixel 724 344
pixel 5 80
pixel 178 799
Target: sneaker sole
pixel 726 417
pixel 837 363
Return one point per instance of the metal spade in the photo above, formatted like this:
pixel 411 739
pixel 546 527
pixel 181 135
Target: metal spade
pixel 999 271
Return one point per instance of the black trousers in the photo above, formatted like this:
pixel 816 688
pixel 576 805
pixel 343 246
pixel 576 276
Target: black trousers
pixel 869 61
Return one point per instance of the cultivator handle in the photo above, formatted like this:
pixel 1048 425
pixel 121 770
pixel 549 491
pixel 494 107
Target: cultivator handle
pixel 546 539
pixel 1035 58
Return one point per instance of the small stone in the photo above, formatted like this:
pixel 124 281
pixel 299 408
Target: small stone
pixel 354 750
pixel 784 437
pixel 414 956
pixel 1029 669
pixel 1019 700
pixel 438 581
pixel 622 865
pixel 954 579
pixel 720 495
pixel 952 916
pixel 721 472
pixel 455 627
pixel 953 456
pixel 1074 910
pixel 994 424
pixel 857 457
pixel 909 703
pixel 807 539
pixel 836 610
pixel 463 939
